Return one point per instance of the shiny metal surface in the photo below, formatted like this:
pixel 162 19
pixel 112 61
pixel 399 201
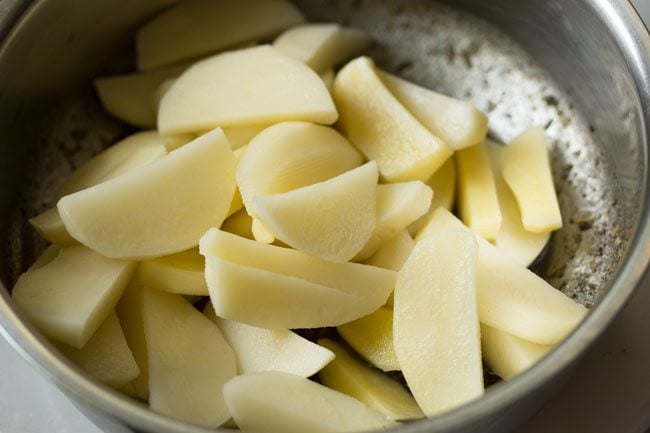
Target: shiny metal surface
pixel 597 51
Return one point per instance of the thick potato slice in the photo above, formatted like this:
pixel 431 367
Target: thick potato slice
pixel 293 404
pixel 512 298
pixel 106 356
pixel 398 205
pixel 261 233
pixel 291 155
pixel 274 287
pixel 349 376
pixel 527 171
pixel 159 209
pixel 513 239
pixel 259 349
pixel 456 122
pixel 508 355
pixel 443 184
pixel 189 360
pixel 132 152
pixel 129 311
pixel 50 226
pixel 477 195
pixel 46 257
pixel 322 46
pixel 372 337
pixel 331 220
pixel 240 136
pixel 181 273
pixel 383 130
pixel 240 224
pixel 256 85
pixel 133 98
pixel 436 324
pixel 196 28
pixel 70 297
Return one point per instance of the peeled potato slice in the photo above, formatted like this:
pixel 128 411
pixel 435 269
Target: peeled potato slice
pixel 181 273
pixel 456 122
pixel 240 136
pixel 372 337
pixel 436 325
pixel 129 311
pixel 477 195
pixel 50 226
pixel 261 233
pixel 398 205
pixel 106 356
pixel 322 46
pixel 189 361
pixel 328 79
pixel 257 85
pixel 70 297
pixel 291 155
pixel 46 257
pixel 393 254
pixel 198 27
pixel 513 239
pixel 289 289
pixel 347 375
pixel 332 220
pixel 382 129
pixel 158 209
pixel 258 349
pixel 132 98
pixel 508 355
pixel 512 298
pixel 293 404
pixel 527 171
pixel 443 184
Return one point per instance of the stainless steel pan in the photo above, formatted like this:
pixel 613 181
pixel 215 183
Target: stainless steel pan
pixel 580 68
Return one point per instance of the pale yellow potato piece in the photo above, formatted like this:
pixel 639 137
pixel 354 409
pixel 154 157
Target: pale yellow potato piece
pixel 478 202
pixel 259 349
pixel 322 46
pixel 372 337
pixel 240 136
pixel 106 356
pixel 436 324
pixel 291 155
pixel 134 151
pixel 443 184
pixel 50 226
pixel 189 361
pixel 129 311
pixel 159 209
pixel 261 233
pixel 513 239
pixel 256 85
pixel 237 202
pixel 527 171
pixel 69 298
pixel 349 376
pixel 265 299
pixel 393 254
pixel 181 273
pixel 196 28
pixel 511 297
pixel 508 355
pixel 240 223
pixel 398 205
pixel 293 404
pixel 332 220
pixel 269 274
pixel 382 129
pixel 133 98
pixel 457 123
